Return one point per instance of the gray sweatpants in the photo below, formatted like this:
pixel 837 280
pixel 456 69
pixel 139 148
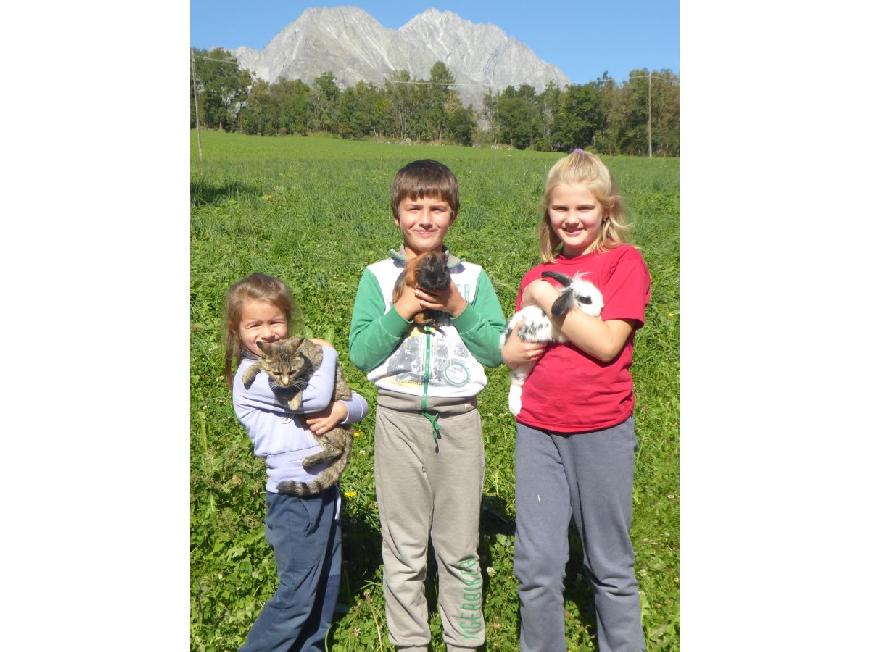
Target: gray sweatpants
pixel 587 475
pixel 430 488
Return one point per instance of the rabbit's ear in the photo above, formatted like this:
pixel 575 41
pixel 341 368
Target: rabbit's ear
pixel 563 303
pixel 564 280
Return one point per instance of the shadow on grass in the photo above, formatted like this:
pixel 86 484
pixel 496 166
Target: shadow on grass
pixel 495 527
pixel 204 192
pixel 361 553
pixel 578 588
pixel 361 559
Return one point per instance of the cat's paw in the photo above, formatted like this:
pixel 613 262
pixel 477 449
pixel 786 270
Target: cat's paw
pixel 248 377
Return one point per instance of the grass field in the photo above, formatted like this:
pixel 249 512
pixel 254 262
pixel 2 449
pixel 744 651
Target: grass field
pixel 315 212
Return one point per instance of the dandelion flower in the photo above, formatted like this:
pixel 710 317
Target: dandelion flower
pixel 349 494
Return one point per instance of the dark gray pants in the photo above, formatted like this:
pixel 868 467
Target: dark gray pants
pixel 587 476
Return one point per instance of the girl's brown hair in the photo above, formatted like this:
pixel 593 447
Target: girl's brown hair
pixel 256 287
pixel 586 168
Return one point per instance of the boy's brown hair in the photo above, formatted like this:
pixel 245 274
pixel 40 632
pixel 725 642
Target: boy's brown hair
pixel 425 178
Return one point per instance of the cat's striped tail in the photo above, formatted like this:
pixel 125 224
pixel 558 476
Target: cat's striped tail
pixel 328 477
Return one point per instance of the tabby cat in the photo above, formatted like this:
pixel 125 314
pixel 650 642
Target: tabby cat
pixel 290 363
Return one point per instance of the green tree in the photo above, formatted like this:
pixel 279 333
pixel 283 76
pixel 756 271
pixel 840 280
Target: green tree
pixel 381 113
pixel 400 94
pixel 294 105
pixel 221 88
pixel 549 102
pixel 519 117
pixel 460 120
pixel 419 127
pixel 324 103
pixel 361 111
pixel 440 81
pixel 257 116
pixel 625 109
pixel 490 118
pixel 665 113
pixel 579 117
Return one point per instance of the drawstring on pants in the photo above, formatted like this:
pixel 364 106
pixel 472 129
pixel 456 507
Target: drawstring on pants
pixel 432 417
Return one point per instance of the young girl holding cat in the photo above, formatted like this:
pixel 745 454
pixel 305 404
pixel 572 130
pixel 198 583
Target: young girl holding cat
pixel 304 532
pixel 575 438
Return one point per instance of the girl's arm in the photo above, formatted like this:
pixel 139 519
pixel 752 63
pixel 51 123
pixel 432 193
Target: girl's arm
pixel 602 340
pixel 357 408
pixel 516 351
pixel 317 395
pixel 339 412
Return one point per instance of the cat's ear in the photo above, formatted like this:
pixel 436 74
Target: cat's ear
pixel 563 303
pixel 561 278
pixel 293 342
pixel 264 346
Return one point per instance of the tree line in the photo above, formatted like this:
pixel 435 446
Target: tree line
pixel 604 115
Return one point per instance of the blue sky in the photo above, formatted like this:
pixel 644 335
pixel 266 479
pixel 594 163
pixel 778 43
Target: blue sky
pixel 582 37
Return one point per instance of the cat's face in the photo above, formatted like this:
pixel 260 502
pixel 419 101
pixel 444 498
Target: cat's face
pixel 284 364
pixel 261 321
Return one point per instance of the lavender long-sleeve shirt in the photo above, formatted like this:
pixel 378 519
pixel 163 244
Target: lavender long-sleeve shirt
pixel 282 437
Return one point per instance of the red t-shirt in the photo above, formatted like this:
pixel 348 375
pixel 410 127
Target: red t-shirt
pixel 568 390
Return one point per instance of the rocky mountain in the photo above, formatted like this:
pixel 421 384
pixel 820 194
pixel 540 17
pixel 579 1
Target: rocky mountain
pixel 356 47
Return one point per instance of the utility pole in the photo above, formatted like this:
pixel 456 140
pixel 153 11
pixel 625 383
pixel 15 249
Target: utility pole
pixel 195 104
pixel 649 78
pixel 649 111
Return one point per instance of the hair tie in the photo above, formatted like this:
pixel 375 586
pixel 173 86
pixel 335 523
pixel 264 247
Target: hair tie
pixel 578 151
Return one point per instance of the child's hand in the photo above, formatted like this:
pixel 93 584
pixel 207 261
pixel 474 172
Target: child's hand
pixel 408 305
pixel 322 422
pixel 539 293
pixel 448 300
pixel 517 351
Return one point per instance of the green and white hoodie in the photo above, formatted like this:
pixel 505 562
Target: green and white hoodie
pixel 444 362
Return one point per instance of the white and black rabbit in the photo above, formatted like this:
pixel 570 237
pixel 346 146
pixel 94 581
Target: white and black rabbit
pixel 537 327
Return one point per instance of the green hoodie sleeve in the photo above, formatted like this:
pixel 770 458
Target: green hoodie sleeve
pixel 374 334
pixel 481 323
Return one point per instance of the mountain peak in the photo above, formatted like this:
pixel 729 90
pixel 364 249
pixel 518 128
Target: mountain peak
pixel 339 10
pixel 433 13
pixel 355 47
pixel 436 17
